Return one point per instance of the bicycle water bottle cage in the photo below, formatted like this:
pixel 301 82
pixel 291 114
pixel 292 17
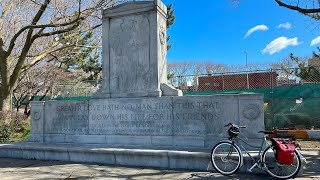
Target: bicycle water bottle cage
pixel 233 131
pixel 284 150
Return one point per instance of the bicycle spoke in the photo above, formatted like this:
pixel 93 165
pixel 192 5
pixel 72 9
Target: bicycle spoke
pixel 233 161
pixel 225 158
pixel 277 170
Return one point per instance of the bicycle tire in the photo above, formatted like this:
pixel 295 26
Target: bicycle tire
pixel 232 155
pixel 280 169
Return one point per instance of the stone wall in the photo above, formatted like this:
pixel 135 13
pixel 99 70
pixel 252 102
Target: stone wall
pixel 192 121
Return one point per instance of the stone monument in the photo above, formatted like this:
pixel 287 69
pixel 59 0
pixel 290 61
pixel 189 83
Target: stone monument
pixel 135 51
pixel 135 107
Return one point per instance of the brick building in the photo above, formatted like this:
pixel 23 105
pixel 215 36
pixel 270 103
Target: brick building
pixel 238 81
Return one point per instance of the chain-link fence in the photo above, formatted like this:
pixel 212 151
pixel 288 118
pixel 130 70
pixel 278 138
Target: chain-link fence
pixel 291 96
pixel 75 90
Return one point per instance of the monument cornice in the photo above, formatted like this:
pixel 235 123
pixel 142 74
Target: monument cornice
pixel 134 8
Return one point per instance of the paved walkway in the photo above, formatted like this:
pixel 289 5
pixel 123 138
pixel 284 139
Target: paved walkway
pixel 35 169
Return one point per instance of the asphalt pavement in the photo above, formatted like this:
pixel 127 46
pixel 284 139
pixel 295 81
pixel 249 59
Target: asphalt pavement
pixel 21 169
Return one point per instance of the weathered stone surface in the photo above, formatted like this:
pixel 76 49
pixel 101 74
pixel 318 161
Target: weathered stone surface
pixel 131 116
pixel 66 117
pixel 168 90
pixel 37 123
pixel 191 121
pixel 134 50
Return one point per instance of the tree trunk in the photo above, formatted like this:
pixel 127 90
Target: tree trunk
pixel 4 86
pixel 4 101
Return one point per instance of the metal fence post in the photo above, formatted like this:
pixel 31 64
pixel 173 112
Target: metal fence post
pixel 272 98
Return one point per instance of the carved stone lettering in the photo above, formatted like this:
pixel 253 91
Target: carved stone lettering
pixel 149 117
pixel 67 118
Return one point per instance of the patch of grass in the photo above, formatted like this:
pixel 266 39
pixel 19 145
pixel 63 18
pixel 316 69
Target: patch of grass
pixel 23 134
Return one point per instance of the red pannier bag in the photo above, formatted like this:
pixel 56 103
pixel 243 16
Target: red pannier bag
pixel 284 150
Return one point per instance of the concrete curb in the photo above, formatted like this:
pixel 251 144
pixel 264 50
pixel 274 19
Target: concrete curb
pixel 298 134
pixel 168 159
pixel 187 159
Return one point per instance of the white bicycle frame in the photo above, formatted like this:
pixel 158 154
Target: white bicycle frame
pixel 236 141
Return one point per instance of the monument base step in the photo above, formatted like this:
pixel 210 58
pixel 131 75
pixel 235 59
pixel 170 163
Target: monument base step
pixel 193 159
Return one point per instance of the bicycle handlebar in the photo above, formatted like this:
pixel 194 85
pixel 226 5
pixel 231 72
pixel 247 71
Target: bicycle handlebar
pixel 230 124
pixel 234 125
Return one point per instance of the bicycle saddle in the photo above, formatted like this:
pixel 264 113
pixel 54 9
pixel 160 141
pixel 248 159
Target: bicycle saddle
pixel 266 132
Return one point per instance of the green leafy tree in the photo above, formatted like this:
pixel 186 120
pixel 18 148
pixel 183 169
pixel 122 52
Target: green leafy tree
pixel 84 56
pixel 305 71
pixel 69 59
pixel 93 67
pixel 170 21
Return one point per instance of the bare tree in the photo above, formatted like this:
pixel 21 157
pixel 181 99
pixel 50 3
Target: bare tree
pixel 28 29
pixel 37 82
pixel 307 7
pixel 186 73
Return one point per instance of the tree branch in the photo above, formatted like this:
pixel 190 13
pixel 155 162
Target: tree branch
pixel 42 26
pixel 297 8
pixel 56 32
pixel 37 59
pixel 29 40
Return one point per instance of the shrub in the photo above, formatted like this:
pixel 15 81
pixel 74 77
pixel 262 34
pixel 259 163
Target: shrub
pixel 11 124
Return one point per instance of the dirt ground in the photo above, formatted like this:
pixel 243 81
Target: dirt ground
pixel 308 143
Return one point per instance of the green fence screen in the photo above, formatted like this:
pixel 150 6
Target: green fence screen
pixel 295 106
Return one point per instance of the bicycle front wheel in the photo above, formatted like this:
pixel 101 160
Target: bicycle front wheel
pixel 226 158
pixel 281 171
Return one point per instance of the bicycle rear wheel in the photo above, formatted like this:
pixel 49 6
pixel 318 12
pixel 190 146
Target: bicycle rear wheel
pixel 281 171
pixel 226 158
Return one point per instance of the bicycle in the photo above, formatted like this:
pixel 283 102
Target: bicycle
pixel 227 156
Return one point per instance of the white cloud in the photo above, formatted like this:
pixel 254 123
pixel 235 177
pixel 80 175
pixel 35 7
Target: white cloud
pixel 256 28
pixel 315 41
pixel 286 25
pixel 279 44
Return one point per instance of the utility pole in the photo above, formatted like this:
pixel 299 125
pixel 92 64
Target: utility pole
pixel 246 53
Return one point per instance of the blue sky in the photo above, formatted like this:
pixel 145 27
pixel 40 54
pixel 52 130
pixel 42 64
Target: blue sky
pixel 215 30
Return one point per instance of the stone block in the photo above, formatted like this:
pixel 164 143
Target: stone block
pixel 37 115
pixel 188 160
pixel 57 154
pixel 168 90
pixel 33 154
pixel 92 157
pixel 128 140
pixel 183 141
pixel 55 138
pixel 87 139
pixel 131 116
pixel 146 158
pixel 10 150
pixel 66 117
pixel 35 138
pixel 189 121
